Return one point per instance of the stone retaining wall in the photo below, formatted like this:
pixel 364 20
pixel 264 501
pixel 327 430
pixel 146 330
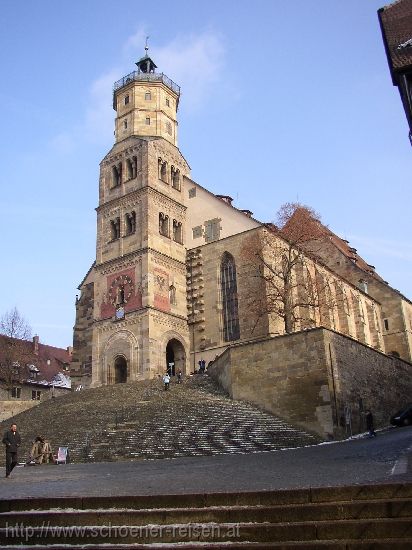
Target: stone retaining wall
pixel 318 379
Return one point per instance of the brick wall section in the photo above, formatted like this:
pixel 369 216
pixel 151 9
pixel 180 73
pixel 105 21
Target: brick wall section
pixel 309 377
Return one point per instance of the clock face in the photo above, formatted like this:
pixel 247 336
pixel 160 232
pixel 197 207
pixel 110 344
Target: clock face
pixel 120 312
pixel 121 290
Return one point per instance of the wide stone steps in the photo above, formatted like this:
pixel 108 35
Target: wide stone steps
pixel 142 421
pixel 374 516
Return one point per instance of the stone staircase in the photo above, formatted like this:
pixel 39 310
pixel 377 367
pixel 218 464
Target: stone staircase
pixel 357 517
pixel 142 421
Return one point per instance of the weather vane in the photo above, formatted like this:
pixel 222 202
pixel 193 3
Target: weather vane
pixel 146 46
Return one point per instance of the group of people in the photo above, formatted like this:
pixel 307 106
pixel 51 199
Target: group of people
pixel 41 451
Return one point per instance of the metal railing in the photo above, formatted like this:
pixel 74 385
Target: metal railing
pixel 146 77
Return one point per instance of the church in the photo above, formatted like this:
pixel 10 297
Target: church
pixel 182 279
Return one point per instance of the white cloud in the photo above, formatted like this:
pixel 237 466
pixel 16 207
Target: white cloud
pixel 194 62
pixel 99 118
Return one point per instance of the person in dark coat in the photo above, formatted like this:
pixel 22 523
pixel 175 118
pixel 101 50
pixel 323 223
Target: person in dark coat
pixel 369 423
pixel 12 441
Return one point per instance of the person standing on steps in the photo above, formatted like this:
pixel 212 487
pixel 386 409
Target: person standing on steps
pixel 12 441
pixel 166 381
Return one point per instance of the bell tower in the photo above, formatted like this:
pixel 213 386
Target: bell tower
pixel 146 103
pixel 134 295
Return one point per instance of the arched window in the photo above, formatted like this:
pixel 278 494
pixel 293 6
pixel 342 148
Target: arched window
pixel 115 229
pixel 115 176
pixel 163 224
pixel 148 96
pixel 228 285
pixel 177 232
pixel 175 178
pixel 129 169
pixel 163 172
pixel 130 223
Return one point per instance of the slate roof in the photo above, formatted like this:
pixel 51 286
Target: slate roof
pixel 396 26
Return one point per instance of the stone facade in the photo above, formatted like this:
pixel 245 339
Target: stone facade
pixel 348 309
pixel 396 309
pixel 131 316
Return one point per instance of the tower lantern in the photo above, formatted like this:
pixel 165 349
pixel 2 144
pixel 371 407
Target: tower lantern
pixel 146 103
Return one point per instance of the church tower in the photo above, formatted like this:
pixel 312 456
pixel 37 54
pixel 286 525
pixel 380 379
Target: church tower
pixel 134 296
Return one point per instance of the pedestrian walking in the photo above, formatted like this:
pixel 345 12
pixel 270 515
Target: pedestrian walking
pixel 369 423
pixel 166 381
pixel 179 377
pixel 12 441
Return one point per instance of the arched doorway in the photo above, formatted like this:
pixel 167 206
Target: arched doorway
pixel 175 357
pixel 120 370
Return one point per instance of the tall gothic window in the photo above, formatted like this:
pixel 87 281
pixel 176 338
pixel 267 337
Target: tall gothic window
pixel 231 330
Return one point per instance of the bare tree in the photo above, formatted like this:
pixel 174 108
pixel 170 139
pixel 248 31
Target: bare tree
pixel 283 256
pixel 15 350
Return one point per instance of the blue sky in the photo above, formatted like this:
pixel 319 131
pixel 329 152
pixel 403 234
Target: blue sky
pixel 282 100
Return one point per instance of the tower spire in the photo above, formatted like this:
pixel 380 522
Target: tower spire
pixel 145 64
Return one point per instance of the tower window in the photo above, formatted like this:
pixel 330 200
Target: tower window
pixel 177 232
pixel 175 176
pixel 131 168
pixel 169 128
pixel 163 172
pixel 148 120
pixel 126 100
pixel 116 175
pixel 228 286
pixel 148 96
pixel 163 224
pixel 115 229
pixel 167 102
pixel 386 324
pixel 125 124
pixel 130 223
